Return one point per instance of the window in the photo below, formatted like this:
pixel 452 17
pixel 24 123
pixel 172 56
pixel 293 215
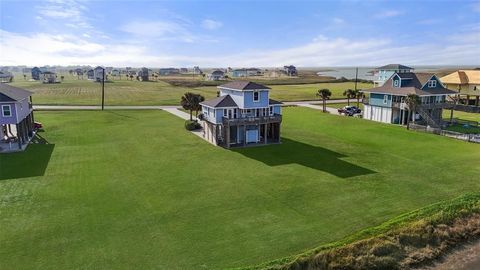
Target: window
pixel 6 110
pixel 385 99
pixel 271 110
pixel 234 113
pixel 224 112
pixel 432 84
pixel 256 96
pixel 396 83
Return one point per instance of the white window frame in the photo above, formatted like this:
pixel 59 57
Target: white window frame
pixel 432 83
pixel 225 112
pixel 385 99
pixel 9 110
pixel 258 96
pixel 396 83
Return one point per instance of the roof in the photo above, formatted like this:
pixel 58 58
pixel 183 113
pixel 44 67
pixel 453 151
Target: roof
pixel 393 67
pixel 413 85
pixel 223 101
pixel 274 102
pixel 11 93
pixel 462 77
pixel 218 72
pixel 5 74
pixel 243 85
pixel 48 72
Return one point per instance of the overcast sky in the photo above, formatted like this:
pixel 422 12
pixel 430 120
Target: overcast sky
pixel 239 33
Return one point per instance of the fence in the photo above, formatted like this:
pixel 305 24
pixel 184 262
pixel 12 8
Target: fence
pixel 475 138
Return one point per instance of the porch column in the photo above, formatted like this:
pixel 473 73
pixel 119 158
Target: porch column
pixel 19 138
pixel 227 137
pixel 244 135
pixel 265 134
pixel 278 133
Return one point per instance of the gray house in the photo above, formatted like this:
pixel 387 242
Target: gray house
pixel 98 74
pixel 290 70
pixel 49 77
pixel 5 77
pixel 16 118
pixel 36 73
pixel 216 75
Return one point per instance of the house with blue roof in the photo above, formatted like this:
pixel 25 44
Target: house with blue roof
pixel 383 73
pixel 243 114
pixel 387 103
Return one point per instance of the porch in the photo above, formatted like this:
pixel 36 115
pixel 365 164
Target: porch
pixel 16 137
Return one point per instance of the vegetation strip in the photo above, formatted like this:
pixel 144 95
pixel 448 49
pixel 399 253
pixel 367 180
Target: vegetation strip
pixel 408 241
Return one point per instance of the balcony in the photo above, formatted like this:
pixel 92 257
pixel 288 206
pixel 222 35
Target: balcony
pixel 250 120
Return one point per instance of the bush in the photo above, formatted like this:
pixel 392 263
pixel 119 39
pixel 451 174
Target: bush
pixel 192 125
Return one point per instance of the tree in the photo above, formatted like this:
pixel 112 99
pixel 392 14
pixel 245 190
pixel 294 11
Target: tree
pixel 358 95
pixel 62 77
pixel 324 94
pixel 349 93
pixel 188 102
pixel 25 77
pixel 412 102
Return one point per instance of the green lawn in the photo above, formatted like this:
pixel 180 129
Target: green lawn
pixel 308 91
pixel 461 115
pixel 133 189
pixel 125 92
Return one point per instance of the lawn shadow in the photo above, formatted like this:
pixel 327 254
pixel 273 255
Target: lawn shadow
pixel 315 157
pixel 29 163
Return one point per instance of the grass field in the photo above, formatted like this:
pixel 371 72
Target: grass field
pixel 462 115
pixel 133 189
pixel 122 92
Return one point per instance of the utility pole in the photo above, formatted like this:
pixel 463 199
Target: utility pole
pixel 103 88
pixel 356 78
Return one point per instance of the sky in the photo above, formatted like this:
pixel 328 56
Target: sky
pixel 239 33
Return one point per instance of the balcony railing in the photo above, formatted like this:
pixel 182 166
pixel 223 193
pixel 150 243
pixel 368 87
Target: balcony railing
pixel 253 120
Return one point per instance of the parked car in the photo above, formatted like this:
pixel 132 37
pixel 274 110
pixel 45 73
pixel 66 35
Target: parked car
pixel 349 110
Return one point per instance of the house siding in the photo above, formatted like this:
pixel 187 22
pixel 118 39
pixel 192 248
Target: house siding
pixel 377 100
pixel 249 103
pixel 11 119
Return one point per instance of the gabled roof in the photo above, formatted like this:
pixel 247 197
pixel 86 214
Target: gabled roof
pixel 462 77
pixel 393 67
pixel 11 93
pixel 218 72
pixel 412 83
pixel 219 102
pixel 243 85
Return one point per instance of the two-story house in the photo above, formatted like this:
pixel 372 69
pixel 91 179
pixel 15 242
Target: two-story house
pixel 382 74
pixel 387 104
pixel 16 118
pixel 467 83
pixel 243 114
pixel 98 74
pixel 49 77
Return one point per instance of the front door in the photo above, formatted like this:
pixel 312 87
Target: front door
pixel 230 113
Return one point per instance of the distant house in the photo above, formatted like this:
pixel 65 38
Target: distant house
pixel 91 74
pixel 385 72
pixel 246 72
pixel 98 74
pixel 290 70
pixel 36 73
pixel 168 71
pixel 115 72
pixel 197 70
pixel 16 118
pixel 6 77
pixel 242 115
pixel 467 83
pixel 276 73
pixel 49 77
pixel 143 74
pixel 183 70
pixel 216 75
pixel 387 103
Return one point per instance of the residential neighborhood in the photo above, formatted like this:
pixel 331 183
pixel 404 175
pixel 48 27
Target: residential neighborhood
pixel 247 135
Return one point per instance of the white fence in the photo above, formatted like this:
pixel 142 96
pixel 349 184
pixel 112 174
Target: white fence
pixel 475 138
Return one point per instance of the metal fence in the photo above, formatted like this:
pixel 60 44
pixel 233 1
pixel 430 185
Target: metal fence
pixel 475 138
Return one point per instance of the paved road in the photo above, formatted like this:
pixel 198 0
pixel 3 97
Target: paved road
pixel 90 107
pixel 317 107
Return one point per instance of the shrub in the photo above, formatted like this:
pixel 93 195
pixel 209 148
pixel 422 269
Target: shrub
pixel 192 125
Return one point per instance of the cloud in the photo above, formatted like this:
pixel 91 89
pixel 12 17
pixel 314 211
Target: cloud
pixel 476 6
pixel 161 30
pixel 16 49
pixel 211 24
pixel 64 10
pixel 388 14
pixel 338 21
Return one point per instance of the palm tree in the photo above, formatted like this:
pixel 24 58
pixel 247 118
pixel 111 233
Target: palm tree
pixel 25 77
pixel 349 93
pixel 324 94
pixel 412 102
pixel 358 95
pixel 188 102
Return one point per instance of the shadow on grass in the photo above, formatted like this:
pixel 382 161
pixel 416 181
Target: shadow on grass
pixel 315 157
pixel 30 163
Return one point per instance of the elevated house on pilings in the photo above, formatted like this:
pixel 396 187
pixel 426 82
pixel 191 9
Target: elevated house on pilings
pixel 467 83
pixel 242 115
pixel 16 118
pixel 387 103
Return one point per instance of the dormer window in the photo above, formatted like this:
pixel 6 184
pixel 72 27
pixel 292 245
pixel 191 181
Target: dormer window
pixel 396 83
pixel 432 84
pixel 256 96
